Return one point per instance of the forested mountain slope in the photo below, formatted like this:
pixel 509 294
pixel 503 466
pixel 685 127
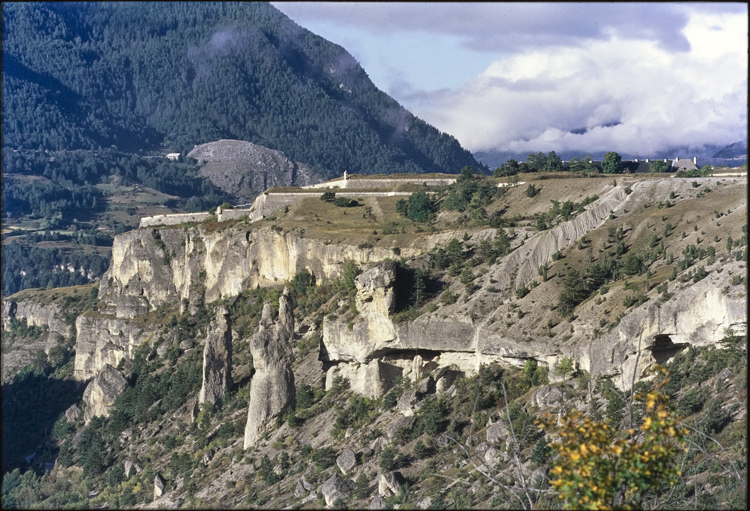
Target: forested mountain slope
pixel 144 75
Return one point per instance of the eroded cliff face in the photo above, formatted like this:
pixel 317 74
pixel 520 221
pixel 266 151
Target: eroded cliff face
pixel 374 349
pixel 152 267
pixel 217 359
pixel 102 391
pixel 102 340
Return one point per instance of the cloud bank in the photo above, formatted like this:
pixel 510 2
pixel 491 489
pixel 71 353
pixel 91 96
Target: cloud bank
pixel 634 78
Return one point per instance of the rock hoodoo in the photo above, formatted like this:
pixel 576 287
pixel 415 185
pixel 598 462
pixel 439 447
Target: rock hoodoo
pixel 101 393
pixel 272 386
pixel 217 359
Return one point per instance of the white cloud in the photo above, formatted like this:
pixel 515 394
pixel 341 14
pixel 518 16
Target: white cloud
pixel 633 95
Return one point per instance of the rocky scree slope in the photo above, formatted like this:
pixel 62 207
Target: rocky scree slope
pixel 243 169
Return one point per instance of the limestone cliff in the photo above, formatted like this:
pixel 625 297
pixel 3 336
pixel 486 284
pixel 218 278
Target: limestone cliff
pixel 272 386
pixel 374 348
pixel 151 267
pixel 191 264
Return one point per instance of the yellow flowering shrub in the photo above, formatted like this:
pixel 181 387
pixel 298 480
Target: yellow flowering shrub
pixel 601 468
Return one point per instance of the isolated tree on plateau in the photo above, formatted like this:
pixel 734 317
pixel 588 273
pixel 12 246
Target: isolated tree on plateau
pixel 536 162
pixel 553 163
pixel 418 207
pixel 612 163
pixel 467 174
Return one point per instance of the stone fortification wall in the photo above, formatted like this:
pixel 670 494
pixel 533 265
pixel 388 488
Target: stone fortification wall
pixel 382 183
pixel 232 214
pixel 178 218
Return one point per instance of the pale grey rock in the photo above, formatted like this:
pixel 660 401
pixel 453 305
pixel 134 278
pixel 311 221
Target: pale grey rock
pixel 346 461
pixel 208 456
pixel 233 260
pixel 131 465
pixel 444 377
pixel 424 503
pixel 390 483
pixel 378 444
pixel 375 300
pixel 550 396
pixel 72 413
pixel 407 403
pixel 497 432
pixel 492 457
pixel 482 447
pixel 445 438
pixel 724 374
pixel 336 487
pixel 50 315
pixel 159 485
pixel 366 452
pixel 305 484
pixel 186 344
pixel 299 490
pixel 217 359
pixel 403 422
pixel 103 339
pixel 101 393
pixel 377 503
pixel 476 486
pixel 272 387
pixel 244 169
pixel 371 379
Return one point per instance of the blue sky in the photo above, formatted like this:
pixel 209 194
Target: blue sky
pixel 630 77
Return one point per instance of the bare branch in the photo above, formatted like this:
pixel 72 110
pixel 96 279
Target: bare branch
pixel 516 449
pixel 734 471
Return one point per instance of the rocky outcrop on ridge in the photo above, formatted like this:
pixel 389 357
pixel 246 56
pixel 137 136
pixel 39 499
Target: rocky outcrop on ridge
pixel 217 359
pixel 101 393
pixel 244 169
pixel 272 387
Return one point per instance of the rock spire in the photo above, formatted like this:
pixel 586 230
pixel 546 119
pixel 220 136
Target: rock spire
pixel 217 359
pixel 272 386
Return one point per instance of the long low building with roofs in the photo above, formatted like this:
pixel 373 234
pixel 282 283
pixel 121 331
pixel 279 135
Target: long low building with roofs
pixel 639 166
